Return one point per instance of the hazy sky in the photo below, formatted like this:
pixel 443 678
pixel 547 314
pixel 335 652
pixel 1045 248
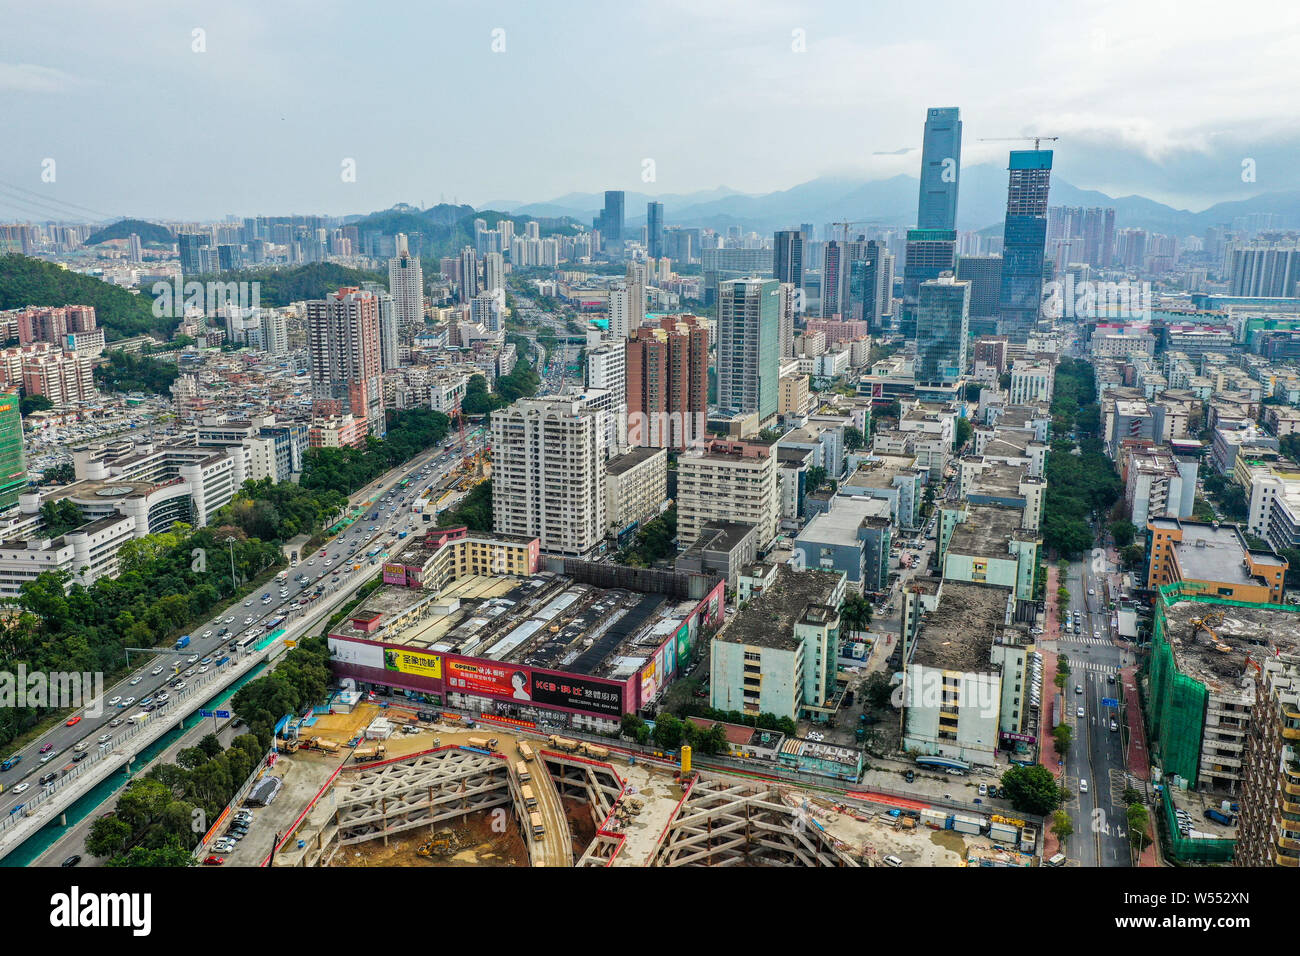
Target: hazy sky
pixel 1165 99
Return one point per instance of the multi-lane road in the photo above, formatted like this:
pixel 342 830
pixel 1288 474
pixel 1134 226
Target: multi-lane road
pixel 54 751
pixel 1095 760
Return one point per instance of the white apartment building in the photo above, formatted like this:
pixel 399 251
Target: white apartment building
pixel 728 481
pixel 636 485
pixel 1031 382
pixel 548 473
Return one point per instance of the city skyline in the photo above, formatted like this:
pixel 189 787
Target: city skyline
pixel 254 133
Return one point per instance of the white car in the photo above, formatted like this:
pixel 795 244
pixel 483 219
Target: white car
pixel 22 788
pixel 157 670
pixel 207 633
pixel 114 701
pixel 248 603
pixel 135 680
pixel 1083 786
pixel 1091 592
pixel 128 702
pixel 1078 712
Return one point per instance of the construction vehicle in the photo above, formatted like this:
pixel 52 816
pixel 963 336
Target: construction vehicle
pixel 521 770
pixel 535 821
pixel 482 743
pixel 564 743
pixel 525 751
pixel 440 844
pixel 323 744
pixel 376 752
pixel 1208 623
pixel 530 800
pixel 598 753
pixel 287 745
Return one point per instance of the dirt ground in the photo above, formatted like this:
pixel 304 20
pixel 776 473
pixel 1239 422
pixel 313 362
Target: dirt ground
pixel 478 846
pixel 581 826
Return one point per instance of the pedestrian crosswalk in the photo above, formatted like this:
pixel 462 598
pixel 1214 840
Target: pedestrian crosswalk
pixel 1079 639
pixel 1092 666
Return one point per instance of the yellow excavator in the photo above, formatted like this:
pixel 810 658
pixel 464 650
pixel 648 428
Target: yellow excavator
pixel 1209 622
pixel 440 844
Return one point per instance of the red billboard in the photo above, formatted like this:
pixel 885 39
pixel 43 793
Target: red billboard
pixel 488 678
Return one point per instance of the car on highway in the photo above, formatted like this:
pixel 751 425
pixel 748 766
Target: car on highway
pixel 179 686
pixel 105 738
pixel 146 702
pixel 114 701
pixel 135 680
pixel 127 702
pixel 71 861
pixel 1078 712
pixel 248 603
pixel 207 633
pixel 22 788
pixel 213 860
pixel 157 670
pixel 81 745
pixel 49 756
pixel 115 722
pixel 1078 688
pixel 231 619
pixel 1083 786
pixel 72 721
pixel 162 698
pixel 247 621
pixel 1091 592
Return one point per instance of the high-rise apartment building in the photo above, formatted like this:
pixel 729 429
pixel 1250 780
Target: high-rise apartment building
pixel 469 280
pixel 728 481
pixel 1268 830
pixel 548 473
pixel 788 295
pixel 1269 270
pixel 494 272
pixel 667 368
pixel 343 343
pixel 942 326
pixel 406 286
pixel 749 346
pixel 189 244
pixel 1024 239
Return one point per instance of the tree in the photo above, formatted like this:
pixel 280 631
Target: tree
pixel 1138 820
pixel 855 613
pixel 1031 789
pixel 60 517
pixel 853 438
pixel 1063 737
pixel 962 434
pixel 973 391
pixel 815 478
pixel 878 690
pixel 1062 827
pixel 34 403
pixel 1123 532
pixel 1133 556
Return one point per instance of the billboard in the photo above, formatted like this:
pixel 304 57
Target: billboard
pixel 411 662
pixel 579 693
pixel 354 652
pixel 488 678
pixel 395 574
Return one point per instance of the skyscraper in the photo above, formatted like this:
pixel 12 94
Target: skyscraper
pixel 785 326
pixel 940 165
pixel 932 245
pixel 494 272
pixel 548 468
pixel 469 282
pixel 942 327
pixel 833 265
pixel 344 353
pixel 654 220
pixel 749 346
pixel 189 244
pixel 867 289
pixel 1024 238
pixel 610 220
pixel 13 463
pixel 406 286
pixel 668 383
pixel 787 257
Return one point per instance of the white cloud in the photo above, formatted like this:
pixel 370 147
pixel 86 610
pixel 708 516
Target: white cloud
pixel 30 78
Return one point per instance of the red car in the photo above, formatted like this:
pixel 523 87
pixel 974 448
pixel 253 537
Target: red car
pixel 72 721
pixel 47 748
pixel 214 861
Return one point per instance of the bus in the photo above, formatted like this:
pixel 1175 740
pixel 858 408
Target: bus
pixel 272 624
pixel 245 643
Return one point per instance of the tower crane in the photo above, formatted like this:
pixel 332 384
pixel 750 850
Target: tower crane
pixel 1009 139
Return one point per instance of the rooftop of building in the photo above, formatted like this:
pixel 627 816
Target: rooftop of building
pixel 1215 652
pixel 999 480
pixel 958 634
pixel 986 531
pixel 721 536
pixel 1214 552
pixel 840 525
pixel 547 620
pixel 633 458
pixel 879 471
pixel 768 618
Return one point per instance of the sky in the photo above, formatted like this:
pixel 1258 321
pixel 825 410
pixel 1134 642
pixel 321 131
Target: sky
pixel 284 106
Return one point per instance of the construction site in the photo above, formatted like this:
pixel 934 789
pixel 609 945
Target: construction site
pixel 452 792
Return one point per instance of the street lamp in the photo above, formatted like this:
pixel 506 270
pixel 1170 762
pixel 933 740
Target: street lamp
pixel 234 584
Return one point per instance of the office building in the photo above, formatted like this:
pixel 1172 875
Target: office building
pixel 940 166
pixel 942 327
pixel 610 221
pixel 469 278
pixel 1024 239
pixel 749 346
pixel 787 257
pixel 1216 558
pixel 654 222
pixel 548 473
pixel 13 462
pixel 343 345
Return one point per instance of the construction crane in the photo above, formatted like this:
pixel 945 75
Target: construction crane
pixel 1009 139
pixel 844 226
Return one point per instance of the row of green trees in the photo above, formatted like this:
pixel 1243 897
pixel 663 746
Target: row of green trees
pixel 124 372
pixel 654 541
pixel 344 470
pixel 474 511
pixel 672 733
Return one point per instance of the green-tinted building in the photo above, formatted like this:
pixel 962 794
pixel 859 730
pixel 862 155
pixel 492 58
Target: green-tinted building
pixel 13 464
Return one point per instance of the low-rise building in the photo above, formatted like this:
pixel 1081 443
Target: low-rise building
pixel 1215 559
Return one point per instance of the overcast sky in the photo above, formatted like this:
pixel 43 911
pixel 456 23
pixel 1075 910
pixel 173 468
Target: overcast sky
pixel 1164 99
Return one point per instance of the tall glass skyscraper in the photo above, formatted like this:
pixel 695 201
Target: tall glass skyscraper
pixel 654 231
pixel 940 164
pixel 749 345
pixel 1024 238
pixel 942 327
pixel 13 464
pixel 787 257
pixel 932 245
pixel 610 220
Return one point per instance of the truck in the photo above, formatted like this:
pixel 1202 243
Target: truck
pixel 535 821
pixel 530 801
pixel 323 744
pixel 564 743
pixel 482 743
pixel 525 751
pixel 598 753
pixel 369 753
pixel 521 770
pixel 282 577
pixel 139 718
pixel 182 641
pixel 401 535
pixel 1218 816
pixel 11 762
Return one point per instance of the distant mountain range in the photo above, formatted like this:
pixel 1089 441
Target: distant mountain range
pixel 892 202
